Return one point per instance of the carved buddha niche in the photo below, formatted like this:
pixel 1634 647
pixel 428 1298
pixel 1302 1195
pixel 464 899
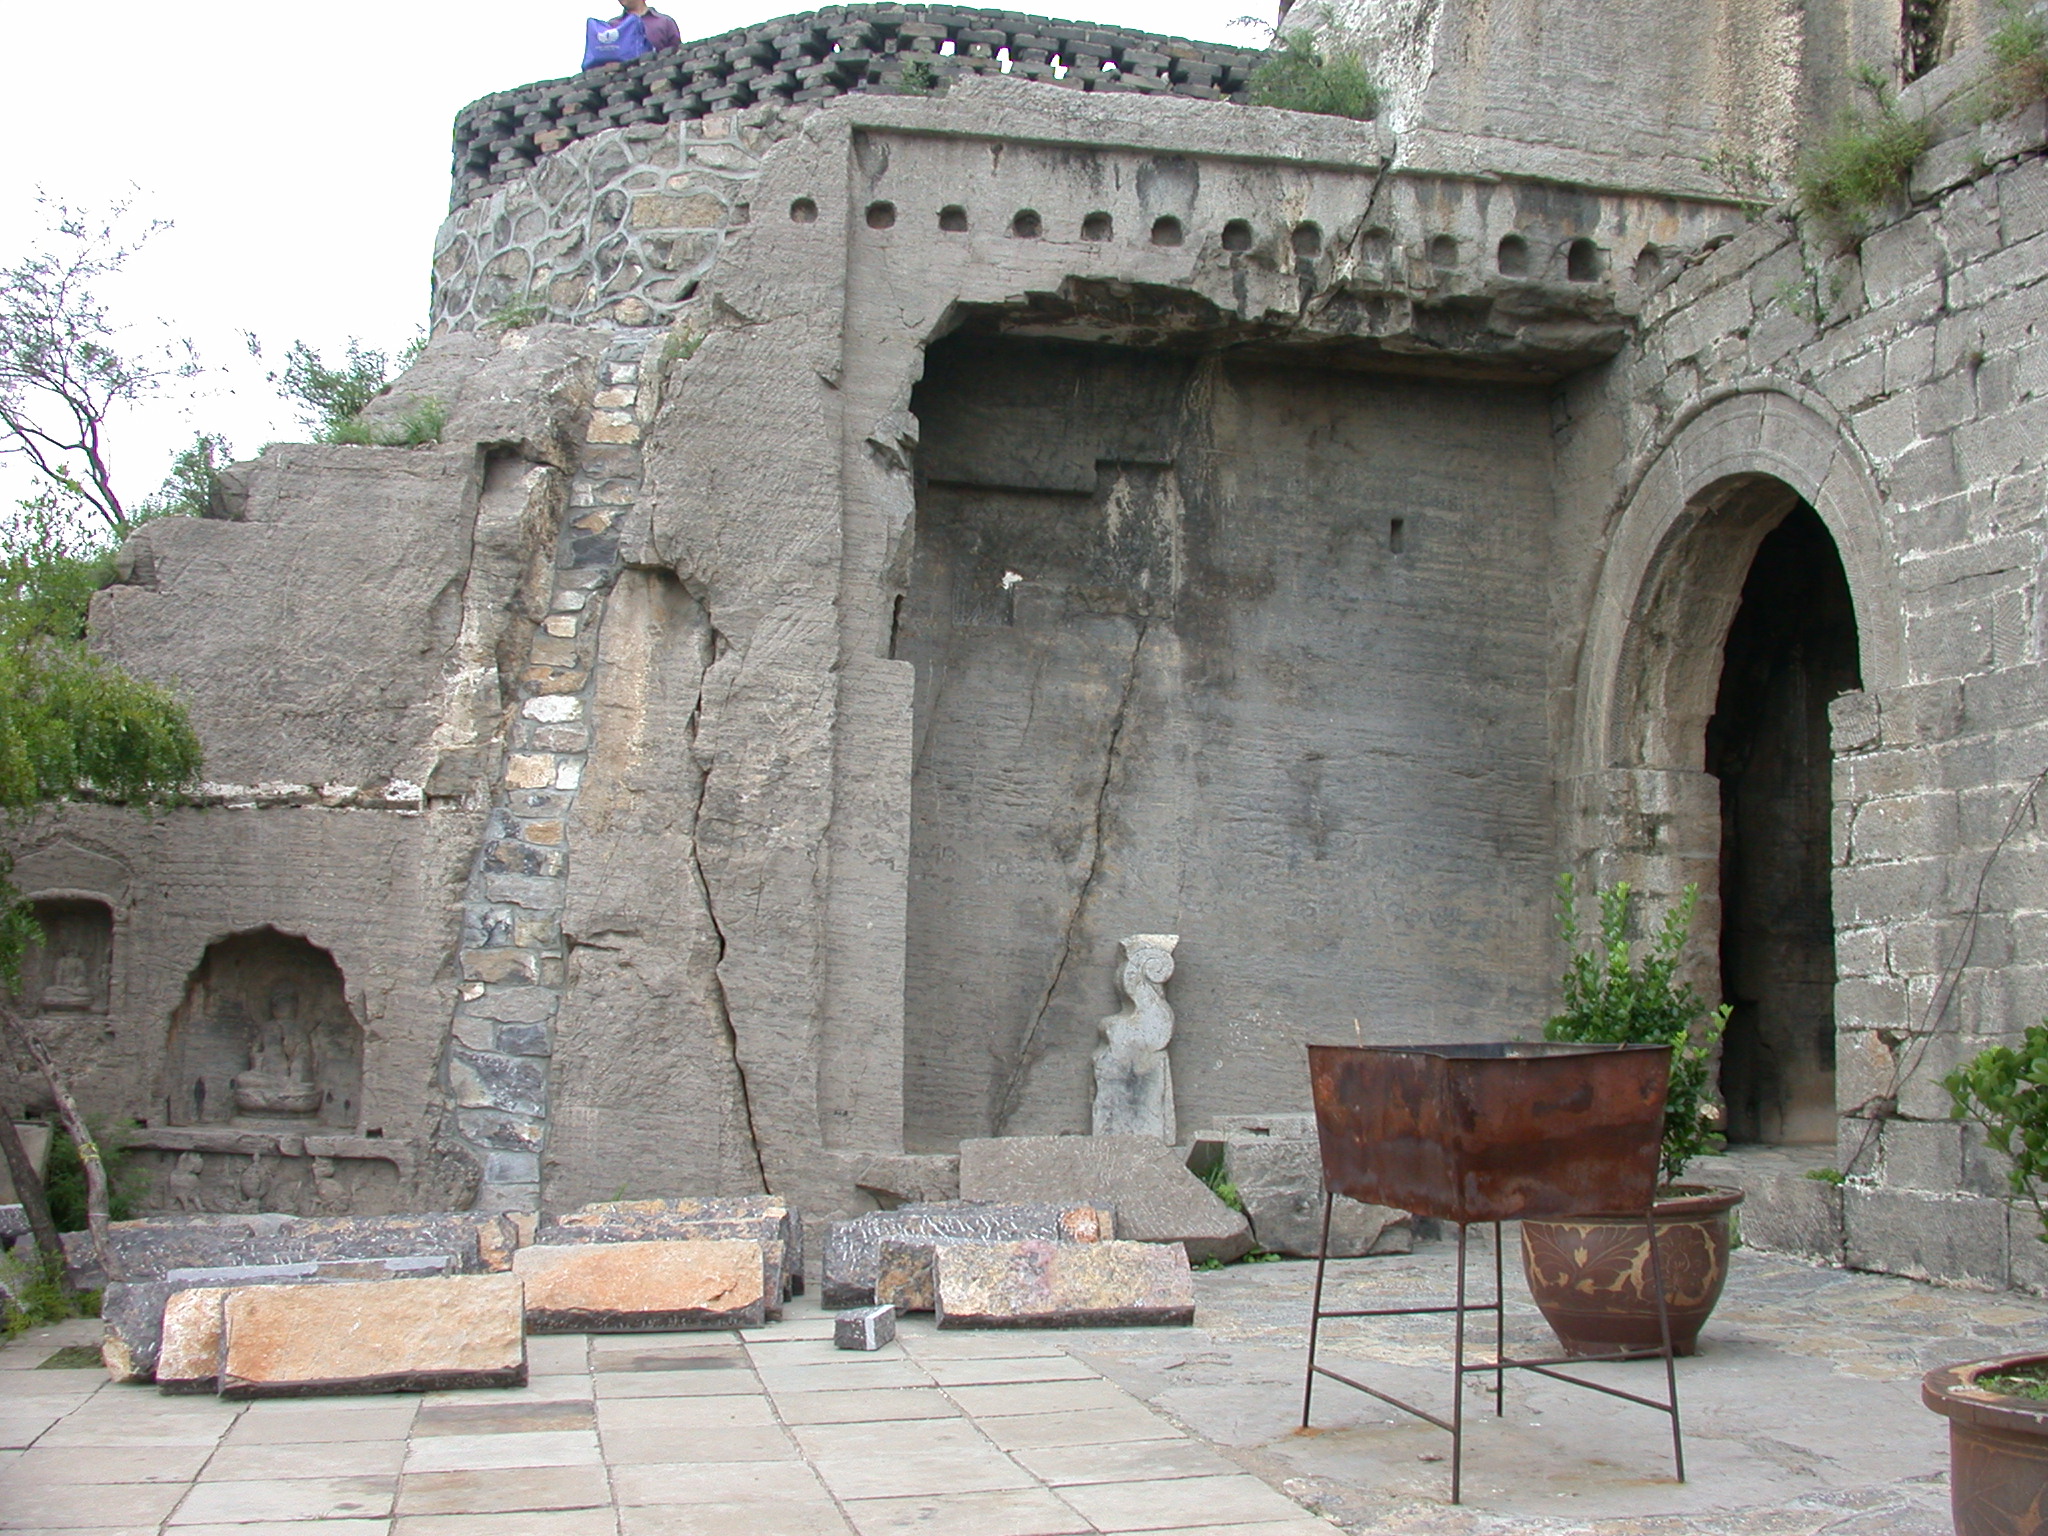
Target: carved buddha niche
pixel 265 1037
pixel 67 971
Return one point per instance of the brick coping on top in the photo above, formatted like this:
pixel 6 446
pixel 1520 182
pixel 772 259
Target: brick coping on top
pixel 817 55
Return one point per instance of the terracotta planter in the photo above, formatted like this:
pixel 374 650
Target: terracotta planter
pixel 1997 1447
pixel 1590 1275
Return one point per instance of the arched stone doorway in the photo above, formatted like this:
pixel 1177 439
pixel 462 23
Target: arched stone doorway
pixel 1791 650
pixel 1745 585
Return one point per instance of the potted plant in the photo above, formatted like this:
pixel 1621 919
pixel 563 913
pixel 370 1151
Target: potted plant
pixel 1591 1275
pixel 1997 1410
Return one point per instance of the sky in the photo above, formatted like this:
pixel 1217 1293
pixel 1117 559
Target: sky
pixel 301 156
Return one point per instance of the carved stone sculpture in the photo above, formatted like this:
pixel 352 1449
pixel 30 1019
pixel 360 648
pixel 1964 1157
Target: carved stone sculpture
pixel 185 1179
pixel 279 1080
pixel 1133 1080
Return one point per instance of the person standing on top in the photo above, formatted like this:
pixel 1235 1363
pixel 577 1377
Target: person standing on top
pixel 638 29
pixel 662 31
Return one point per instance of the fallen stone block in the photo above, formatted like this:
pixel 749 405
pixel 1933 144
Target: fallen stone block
pixel 1279 1179
pixel 1062 1285
pixel 779 1280
pixel 373 1336
pixel 132 1312
pixel 13 1226
pixel 1154 1196
pixel 189 1360
pixel 706 1212
pixel 852 1245
pixel 643 1287
pixel 903 1273
pixel 150 1248
pixel 864 1328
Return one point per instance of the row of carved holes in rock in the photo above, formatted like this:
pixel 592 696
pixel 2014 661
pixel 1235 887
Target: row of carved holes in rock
pixel 1583 260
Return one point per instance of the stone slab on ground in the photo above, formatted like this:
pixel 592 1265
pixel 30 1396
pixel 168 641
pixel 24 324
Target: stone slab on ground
pixel 852 1245
pixel 1279 1178
pixel 1036 1284
pixel 189 1360
pixel 643 1287
pixel 779 1282
pixel 903 1272
pixel 374 1336
pixel 132 1311
pixel 703 1209
pixel 1144 1181
pixel 864 1328
pixel 150 1248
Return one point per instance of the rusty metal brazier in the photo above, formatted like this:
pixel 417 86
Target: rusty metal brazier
pixel 1490 1133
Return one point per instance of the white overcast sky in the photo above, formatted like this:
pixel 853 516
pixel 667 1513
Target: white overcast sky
pixel 301 153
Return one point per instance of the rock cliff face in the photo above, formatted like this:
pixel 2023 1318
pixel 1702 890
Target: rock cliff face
pixel 1030 516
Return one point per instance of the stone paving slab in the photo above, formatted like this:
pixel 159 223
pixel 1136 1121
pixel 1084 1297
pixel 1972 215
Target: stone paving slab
pixel 1801 1413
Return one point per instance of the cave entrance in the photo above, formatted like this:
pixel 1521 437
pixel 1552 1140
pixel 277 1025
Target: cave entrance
pixel 1791 649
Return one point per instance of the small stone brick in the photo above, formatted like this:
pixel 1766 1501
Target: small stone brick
pixel 643 1287
pixel 864 1328
pixel 1062 1285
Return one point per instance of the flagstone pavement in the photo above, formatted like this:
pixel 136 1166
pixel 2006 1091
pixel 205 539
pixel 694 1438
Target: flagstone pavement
pixel 1801 1418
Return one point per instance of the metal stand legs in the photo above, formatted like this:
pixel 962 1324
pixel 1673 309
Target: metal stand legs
pixel 1500 1364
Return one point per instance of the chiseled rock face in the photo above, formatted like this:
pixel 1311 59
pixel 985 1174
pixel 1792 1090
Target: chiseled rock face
pixel 1062 1285
pixel 643 1287
pixel 1154 1196
pixel 189 1360
pixel 853 1245
pixel 374 1336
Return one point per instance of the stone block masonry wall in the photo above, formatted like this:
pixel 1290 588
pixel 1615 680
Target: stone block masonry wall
pixel 1901 389
pixel 513 956
pixel 819 55
pixel 616 229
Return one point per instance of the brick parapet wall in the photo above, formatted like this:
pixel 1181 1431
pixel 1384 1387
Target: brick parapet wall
pixel 814 56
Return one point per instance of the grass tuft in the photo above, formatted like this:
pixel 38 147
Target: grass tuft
pixel 1862 166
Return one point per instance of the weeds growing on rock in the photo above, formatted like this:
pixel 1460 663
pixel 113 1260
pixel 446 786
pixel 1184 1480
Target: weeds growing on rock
pixel 1297 76
pixel 33 1294
pixel 1863 164
pixel 416 428
pixel 2019 55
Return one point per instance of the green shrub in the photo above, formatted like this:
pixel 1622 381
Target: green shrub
pixel 2005 1090
pixel 1863 164
pixel 1612 998
pixel 1299 77
pixel 64 1183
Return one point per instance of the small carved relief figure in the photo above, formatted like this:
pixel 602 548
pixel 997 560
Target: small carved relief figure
pixel 279 1080
pixel 331 1195
pixel 69 989
pixel 184 1180
pixel 1133 1079
pixel 254 1184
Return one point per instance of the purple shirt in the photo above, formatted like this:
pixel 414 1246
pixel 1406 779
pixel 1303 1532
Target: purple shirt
pixel 662 31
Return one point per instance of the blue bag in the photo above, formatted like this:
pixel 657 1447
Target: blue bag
pixel 613 42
